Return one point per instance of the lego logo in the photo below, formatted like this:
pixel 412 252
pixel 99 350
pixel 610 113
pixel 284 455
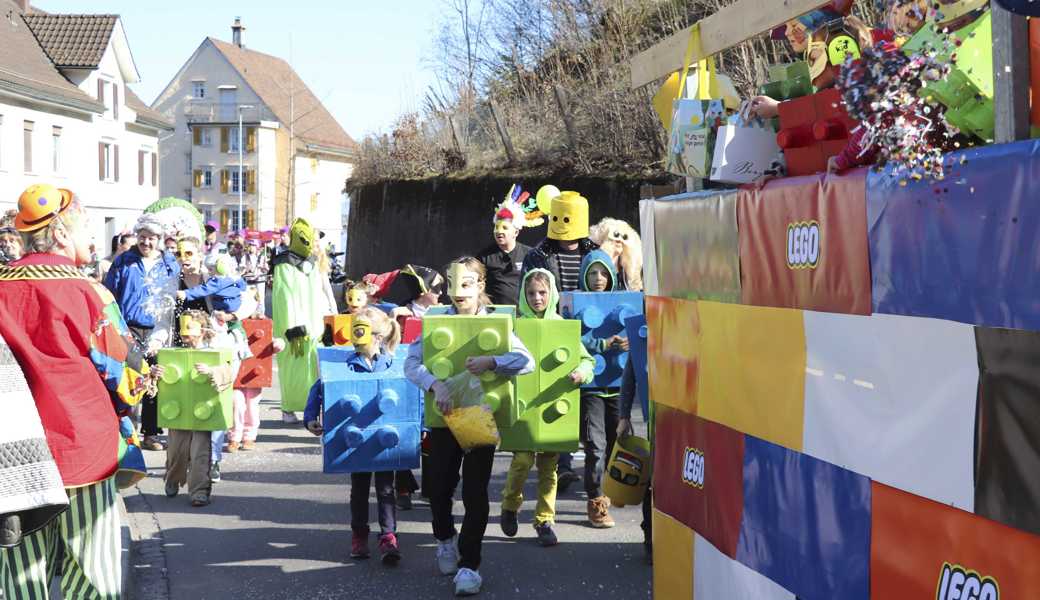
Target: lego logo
pixel 958 583
pixel 693 468
pixel 803 245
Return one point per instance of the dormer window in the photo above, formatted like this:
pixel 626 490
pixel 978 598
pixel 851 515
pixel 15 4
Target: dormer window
pixel 108 94
pixel 198 90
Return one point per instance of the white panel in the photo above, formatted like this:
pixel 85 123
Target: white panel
pixel 719 577
pixel 893 398
pixel 646 226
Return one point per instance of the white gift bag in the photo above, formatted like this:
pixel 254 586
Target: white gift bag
pixel 745 151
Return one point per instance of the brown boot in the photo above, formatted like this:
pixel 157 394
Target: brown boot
pixel 249 445
pixel 599 518
pixel 232 447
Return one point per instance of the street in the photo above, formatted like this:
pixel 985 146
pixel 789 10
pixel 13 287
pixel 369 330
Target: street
pixel 279 528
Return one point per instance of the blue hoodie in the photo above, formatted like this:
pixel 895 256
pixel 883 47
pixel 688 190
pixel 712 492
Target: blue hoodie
pixel 356 363
pixel 593 344
pixel 126 281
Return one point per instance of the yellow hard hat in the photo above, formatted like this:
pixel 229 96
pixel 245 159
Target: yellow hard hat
pixel 39 204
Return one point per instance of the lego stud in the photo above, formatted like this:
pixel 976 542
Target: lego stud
pixel 441 368
pixel 256 336
pixel 643 331
pixel 388 436
pixel 622 312
pixel 441 338
pixel 555 410
pixel 172 374
pixel 353 436
pixel 204 410
pixel 169 410
pixel 559 356
pixel 621 360
pixel 489 339
pixel 198 377
pixel 600 366
pixel 352 404
pixel 591 317
pixel 388 401
pixel 493 400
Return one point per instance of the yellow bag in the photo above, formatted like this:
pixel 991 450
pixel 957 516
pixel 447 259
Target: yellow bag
pixel 471 419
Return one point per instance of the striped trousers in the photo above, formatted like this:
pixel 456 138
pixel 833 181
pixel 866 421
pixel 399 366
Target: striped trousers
pixel 88 536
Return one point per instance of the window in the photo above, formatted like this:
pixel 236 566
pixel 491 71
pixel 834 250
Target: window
pixel 108 94
pixel 187 163
pixel 27 145
pixel 207 213
pixel 233 140
pixel 234 182
pixel 235 220
pixel 142 159
pixel 207 177
pixel 56 149
pixel 206 136
pixel 108 161
pixel 198 89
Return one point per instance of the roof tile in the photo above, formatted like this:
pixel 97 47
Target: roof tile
pixel 73 41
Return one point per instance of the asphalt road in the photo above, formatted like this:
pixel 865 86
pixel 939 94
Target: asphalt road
pixel 279 528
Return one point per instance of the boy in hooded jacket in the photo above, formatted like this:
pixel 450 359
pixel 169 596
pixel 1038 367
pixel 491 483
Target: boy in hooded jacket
pixel 539 300
pixel 599 406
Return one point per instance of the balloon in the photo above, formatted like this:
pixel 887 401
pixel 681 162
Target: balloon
pixel 544 197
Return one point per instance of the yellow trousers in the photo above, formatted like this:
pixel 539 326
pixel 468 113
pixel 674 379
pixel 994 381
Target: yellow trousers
pixel 513 494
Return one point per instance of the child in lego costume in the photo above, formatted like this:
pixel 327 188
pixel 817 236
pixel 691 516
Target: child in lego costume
pixel 538 300
pixel 72 344
pixel 224 288
pixel 466 283
pixel 298 304
pixel 375 337
pixel 618 239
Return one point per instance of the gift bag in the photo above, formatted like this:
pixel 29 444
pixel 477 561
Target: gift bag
pixel 745 151
pixel 471 420
pixel 695 120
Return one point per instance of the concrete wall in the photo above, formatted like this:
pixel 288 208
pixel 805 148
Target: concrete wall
pixel 432 221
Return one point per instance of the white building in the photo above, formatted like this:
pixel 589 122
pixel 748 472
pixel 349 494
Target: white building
pixel 295 157
pixel 68 118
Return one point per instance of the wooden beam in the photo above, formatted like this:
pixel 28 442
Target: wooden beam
pixel 1010 75
pixel 726 28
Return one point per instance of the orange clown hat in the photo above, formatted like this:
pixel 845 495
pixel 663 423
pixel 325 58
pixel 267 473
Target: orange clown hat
pixel 39 204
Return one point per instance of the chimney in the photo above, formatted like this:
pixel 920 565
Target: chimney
pixel 22 5
pixel 236 32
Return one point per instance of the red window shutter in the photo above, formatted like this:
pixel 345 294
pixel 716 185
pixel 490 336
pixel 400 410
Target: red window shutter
pixel 115 162
pixel 155 169
pixel 115 101
pixel 140 167
pixel 101 161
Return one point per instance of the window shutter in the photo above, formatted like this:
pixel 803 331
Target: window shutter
pixel 251 139
pixel 115 162
pixel 251 181
pixel 197 178
pixel 140 167
pixel 224 179
pixel 225 217
pixel 101 161
pixel 155 169
pixel 223 139
pixel 196 136
pixel 250 218
pixel 115 101
pixel 101 91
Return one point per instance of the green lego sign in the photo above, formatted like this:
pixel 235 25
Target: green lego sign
pixel 968 91
pixel 549 400
pixel 187 399
pixel 449 340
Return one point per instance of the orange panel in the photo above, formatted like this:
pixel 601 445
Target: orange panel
pixel 673 558
pixel 672 340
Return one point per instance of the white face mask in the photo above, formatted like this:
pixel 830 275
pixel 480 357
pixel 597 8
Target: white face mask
pixel 462 283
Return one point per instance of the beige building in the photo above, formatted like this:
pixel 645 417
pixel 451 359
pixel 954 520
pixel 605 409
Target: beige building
pixel 295 157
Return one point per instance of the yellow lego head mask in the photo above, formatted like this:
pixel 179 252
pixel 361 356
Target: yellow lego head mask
pixel 569 217
pixel 190 327
pixel 462 282
pixel 301 238
pixel 356 298
pixel 360 333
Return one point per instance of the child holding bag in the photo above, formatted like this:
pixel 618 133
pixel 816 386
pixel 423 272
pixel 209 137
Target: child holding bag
pixel 467 279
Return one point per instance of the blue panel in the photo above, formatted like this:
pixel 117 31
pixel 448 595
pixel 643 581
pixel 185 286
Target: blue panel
pixel 603 315
pixel 806 523
pixel 636 328
pixel 965 249
pixel 372 421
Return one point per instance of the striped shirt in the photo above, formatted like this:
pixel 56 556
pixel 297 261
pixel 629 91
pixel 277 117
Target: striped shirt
pixel 570 265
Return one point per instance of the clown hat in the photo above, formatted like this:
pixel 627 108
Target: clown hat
pixel 39 204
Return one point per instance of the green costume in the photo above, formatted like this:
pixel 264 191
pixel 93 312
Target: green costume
pixel 298 320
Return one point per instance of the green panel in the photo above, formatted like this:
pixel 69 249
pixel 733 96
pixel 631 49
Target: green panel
pixel 449 340
pixel 968 91
pixel 548 399
pixel 187 399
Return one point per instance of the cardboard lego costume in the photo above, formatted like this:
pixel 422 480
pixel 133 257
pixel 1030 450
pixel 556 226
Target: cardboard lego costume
pixel 187 399
pixel 298 318
pixel 257 370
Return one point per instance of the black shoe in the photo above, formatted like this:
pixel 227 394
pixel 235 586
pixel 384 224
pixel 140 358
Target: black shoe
pixel 546 536
pixel 508 522
pixel 564 481
pixel 404 502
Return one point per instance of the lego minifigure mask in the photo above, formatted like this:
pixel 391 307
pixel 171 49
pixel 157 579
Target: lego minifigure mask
pixel 462 282
pixel 356 298
pixel 569 217
pixel 301 238
pixel 361 333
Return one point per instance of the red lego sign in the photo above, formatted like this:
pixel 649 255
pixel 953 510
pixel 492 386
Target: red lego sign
pixel 256 371
pixel 813 129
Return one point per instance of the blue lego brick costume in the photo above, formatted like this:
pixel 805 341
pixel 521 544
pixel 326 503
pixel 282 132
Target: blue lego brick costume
pixel 637 331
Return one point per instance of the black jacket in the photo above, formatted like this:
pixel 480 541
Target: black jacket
pixel 544 256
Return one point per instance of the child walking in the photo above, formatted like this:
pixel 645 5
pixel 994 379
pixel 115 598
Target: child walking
pixel 246 425
pixel 538 300
pixel 375 337
pixel 466 283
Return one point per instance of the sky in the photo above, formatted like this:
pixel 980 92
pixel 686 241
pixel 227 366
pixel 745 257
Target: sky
pixel 365 59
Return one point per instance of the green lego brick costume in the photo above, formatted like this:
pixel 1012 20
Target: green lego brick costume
pixel 512 494
pixel 297 296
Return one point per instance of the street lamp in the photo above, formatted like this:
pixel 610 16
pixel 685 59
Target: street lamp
pixel 241 179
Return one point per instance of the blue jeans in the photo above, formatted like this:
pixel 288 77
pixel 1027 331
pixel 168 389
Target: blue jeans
pixel 217 445
pixel 565 463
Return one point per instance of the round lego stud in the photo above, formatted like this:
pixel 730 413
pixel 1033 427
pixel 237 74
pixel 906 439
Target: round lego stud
pixel 623 312
pixel 204 410
pixel 353 436
pixel 489 339
pixel 388 401
pixel 600 366
pixel 493 400
pixel 555 410
pixel 621 360
pixel 198 377
pixel 643 330
pixel 256 336
pixel 591 317
pixel 441 338
pixel 352 404
pixel 388 436
pixel 560 356
pixel 170 410
pixel 172 374
pixel 441 368
pixel 488 376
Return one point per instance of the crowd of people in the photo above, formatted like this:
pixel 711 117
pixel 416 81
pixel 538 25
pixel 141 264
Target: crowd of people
pixel 169 283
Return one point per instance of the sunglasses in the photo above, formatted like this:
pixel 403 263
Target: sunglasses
pixel 184 253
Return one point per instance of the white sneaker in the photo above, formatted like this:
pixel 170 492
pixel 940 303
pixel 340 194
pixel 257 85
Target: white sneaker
pixel 467 582
pixel 447 557
pixel 289 418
